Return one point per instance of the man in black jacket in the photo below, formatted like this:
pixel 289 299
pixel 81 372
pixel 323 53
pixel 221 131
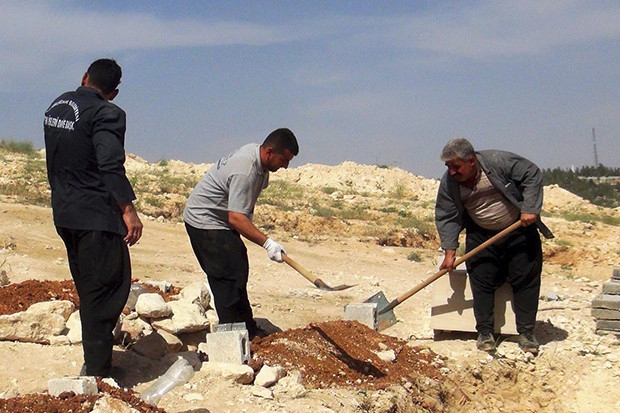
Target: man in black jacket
pixel 92 204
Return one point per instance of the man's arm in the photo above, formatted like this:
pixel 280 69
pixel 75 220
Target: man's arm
pixel 245 227
pixel 132 222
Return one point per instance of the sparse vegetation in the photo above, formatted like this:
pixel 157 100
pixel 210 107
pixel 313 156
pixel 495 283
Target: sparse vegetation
pixel 12 146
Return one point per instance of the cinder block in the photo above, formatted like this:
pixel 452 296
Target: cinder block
pixel 365 313
pixel 453 305
pixel 77 384
pixel 609 301
pixel 611 287
pixel 228 347
pixel 605 314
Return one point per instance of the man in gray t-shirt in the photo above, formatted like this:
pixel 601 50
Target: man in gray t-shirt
pixel 220 209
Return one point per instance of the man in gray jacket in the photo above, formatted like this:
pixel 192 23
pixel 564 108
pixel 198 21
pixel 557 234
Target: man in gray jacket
pixel 485 192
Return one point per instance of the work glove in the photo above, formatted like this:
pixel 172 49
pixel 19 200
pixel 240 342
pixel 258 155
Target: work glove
pixel 274 250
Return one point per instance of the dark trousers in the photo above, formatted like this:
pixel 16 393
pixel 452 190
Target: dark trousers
pixel 516 259
pixel 223 257
pixel 101 270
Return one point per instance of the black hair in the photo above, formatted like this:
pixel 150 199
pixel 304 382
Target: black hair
pixel 282 139
pixel 105 74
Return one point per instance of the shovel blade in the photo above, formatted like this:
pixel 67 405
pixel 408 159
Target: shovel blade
pixel 322 286
pixel 386 319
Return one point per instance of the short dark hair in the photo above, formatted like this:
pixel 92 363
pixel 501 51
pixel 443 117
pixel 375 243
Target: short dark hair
pixel 282 139
pixel 105 74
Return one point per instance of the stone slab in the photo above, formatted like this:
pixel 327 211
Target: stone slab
pixel 605 314
pixel 609 301
pixel 365 313
pixel 611 287
pixel 610 325
pixel 452 305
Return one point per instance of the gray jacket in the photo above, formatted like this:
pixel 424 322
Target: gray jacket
pixel 516 178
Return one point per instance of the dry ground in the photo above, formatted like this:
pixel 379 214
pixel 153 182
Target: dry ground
pixel 576 372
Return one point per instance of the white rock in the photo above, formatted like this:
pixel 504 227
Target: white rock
pixel 239 373
pixel 152 306
pixel 268 375
pixel 263 392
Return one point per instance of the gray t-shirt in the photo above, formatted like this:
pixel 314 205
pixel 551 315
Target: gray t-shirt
pixel 232 184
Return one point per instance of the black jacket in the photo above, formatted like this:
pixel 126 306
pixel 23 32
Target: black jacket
pixel 84 142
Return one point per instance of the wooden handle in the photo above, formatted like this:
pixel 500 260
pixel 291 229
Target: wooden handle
pixel 299 268
pixel 459 261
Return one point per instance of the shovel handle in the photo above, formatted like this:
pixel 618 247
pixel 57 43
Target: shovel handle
pixel 459 261
pixel 299 268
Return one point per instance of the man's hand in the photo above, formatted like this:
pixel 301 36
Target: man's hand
pixel 528 219
pixel 274 250
pixel 133 224
pixel 448 260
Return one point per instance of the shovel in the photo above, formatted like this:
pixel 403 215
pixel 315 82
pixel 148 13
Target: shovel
pixel 385 313
pixel 314 280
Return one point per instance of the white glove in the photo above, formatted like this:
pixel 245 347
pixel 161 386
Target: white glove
pixel 274 250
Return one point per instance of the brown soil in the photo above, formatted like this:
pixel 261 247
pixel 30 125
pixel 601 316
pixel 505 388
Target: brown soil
pixel 69 402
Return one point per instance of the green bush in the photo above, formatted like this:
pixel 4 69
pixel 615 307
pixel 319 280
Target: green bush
pixel 17 147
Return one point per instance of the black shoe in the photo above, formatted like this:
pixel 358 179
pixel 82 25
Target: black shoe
pixel 486 342
pixel 259 332
pixel 528 343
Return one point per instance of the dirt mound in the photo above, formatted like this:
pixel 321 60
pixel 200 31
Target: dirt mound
pixel 346 354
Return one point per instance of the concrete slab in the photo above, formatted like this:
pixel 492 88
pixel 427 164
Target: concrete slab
pixel 609 325
pixel 611 287
pixel 452 305
pixel 605 314
pixel 609 301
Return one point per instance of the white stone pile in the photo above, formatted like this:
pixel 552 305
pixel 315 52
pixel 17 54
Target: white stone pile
pixel 153 326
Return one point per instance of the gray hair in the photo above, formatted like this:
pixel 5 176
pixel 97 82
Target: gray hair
pixel 457 148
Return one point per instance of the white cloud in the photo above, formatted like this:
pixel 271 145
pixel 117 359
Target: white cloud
pixel 505 28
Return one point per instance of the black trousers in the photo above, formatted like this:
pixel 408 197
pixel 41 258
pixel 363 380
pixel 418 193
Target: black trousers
pixel 516 259
pixel 101 270
pixel 223 257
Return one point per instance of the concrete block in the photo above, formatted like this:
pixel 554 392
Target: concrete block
pixel 452 305
pixel 609 301
pixel 76 384
pixel 228 347
pixel 615 275
pixel 365 313
pixel 605 314
pixel 612 287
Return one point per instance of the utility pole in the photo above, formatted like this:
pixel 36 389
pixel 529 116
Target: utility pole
pixel 595 154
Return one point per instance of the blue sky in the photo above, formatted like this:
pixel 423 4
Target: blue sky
pixel 373 82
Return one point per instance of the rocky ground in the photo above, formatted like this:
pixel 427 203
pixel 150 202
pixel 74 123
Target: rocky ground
pixel 349 233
